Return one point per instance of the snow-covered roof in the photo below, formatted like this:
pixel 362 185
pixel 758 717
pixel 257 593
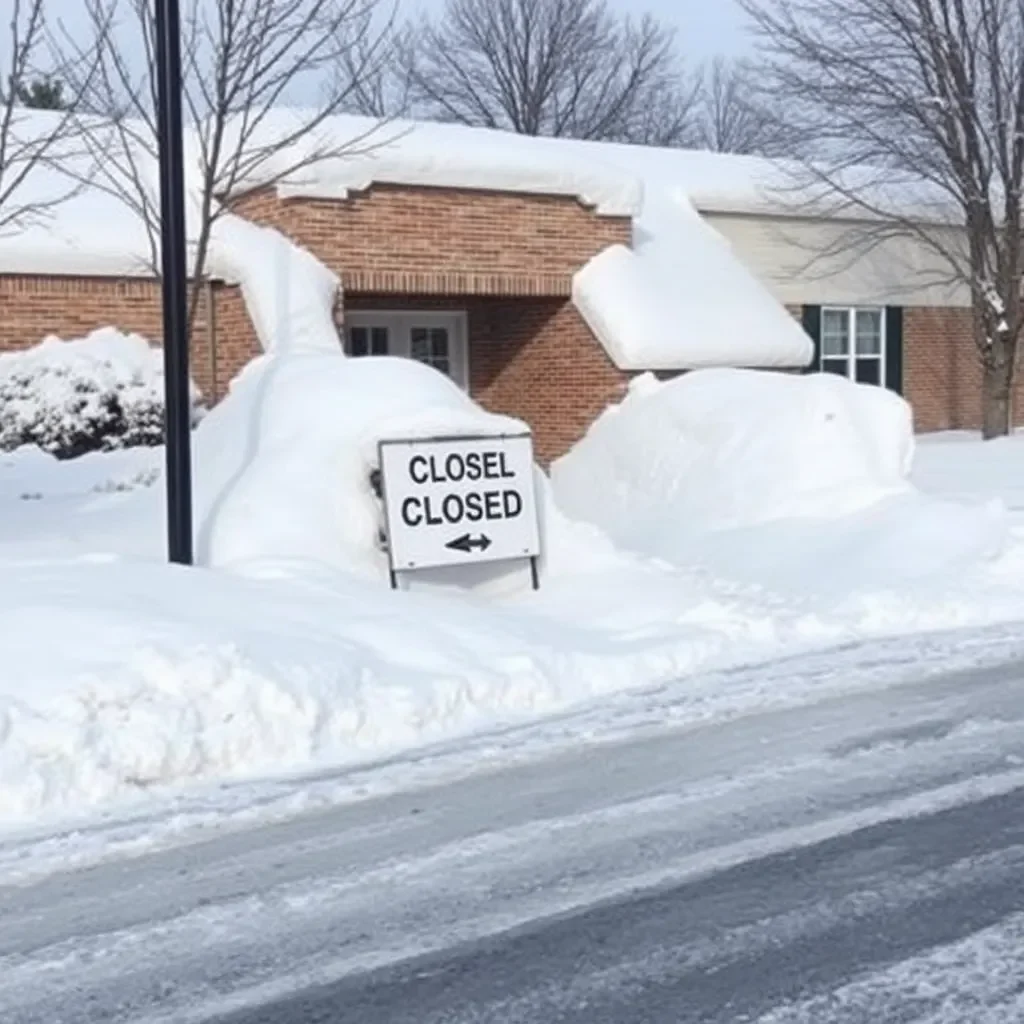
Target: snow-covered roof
pixel 70 227
pixel 420 153
pixel 609 176
pixel 678 299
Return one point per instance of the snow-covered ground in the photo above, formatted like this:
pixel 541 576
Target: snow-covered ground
pixel 125 678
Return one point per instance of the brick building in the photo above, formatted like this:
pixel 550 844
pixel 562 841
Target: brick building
pixel 469 264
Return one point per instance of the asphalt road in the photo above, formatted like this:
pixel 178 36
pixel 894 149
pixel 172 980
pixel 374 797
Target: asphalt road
pixel 856 859
pixel 786 937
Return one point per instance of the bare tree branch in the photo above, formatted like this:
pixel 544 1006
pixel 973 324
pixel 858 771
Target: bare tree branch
pixel 912 114
pixel 548 67
pixel 729 117
pixel 31 140
pixel 249 70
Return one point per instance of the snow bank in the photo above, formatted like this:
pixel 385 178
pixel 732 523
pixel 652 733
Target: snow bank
pixel 792 482
pixel 283 463
pixel 681 299
pixel 164 677
pixel 69 397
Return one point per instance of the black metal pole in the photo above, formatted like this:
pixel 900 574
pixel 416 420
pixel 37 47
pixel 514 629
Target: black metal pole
pixel 174 255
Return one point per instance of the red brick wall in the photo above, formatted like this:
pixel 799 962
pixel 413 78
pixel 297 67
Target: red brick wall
pixel 410 240
pixel 532 358
pixel 942 371
pixel 33 307
pixel 941 374
pixel 234 341
pixel 539 361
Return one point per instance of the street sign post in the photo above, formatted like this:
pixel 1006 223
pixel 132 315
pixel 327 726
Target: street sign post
pixel 177 400
pixel 459 500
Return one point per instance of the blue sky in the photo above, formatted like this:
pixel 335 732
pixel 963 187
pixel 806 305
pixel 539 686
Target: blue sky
pixel 705 27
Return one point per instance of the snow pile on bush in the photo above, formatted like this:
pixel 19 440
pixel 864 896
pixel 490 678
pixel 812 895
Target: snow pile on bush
pixel 792 482
pixel 97 393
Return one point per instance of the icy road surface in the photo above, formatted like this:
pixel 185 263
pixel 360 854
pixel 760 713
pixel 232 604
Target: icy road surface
pixel 854 860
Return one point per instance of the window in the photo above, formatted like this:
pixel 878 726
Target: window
pixel 853 343
pixel 368 341
pixel 437 338
pixel 430 345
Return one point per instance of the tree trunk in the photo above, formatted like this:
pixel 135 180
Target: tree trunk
pixel 996 390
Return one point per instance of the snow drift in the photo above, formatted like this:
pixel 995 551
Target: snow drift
pixel 793 482
pixel 165 676
pixel 283 465
pixel 288 292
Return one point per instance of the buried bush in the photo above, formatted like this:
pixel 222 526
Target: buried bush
pixel 93 394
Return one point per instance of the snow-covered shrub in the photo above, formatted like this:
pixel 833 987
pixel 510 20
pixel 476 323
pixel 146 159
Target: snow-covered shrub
pixel 97 393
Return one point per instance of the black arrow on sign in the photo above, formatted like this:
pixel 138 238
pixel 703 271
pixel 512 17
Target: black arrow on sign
pixel 467 543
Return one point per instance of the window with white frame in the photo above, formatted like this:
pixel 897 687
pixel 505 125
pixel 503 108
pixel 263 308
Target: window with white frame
pixel 436 338
pixel 853 343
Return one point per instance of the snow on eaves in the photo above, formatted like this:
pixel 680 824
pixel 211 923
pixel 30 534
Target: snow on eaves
pixel 680 299
pixel 367 151
pixel 610 177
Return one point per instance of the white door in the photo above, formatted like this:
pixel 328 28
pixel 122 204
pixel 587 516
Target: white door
pixel 435 338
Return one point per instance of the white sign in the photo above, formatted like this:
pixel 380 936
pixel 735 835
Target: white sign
pixel 452 501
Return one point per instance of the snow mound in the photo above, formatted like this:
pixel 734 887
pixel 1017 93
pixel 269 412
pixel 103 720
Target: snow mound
pixel 95 393
pixel 724 448
pixel 791 482
pixel 283 465
pixel 681 299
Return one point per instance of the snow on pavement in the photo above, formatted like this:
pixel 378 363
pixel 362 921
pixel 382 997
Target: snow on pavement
pixel 150 820
pixel 976 979
pixel 273 910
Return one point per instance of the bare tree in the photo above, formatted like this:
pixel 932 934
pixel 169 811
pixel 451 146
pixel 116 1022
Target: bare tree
pixel 548 67
pixel 730 116
pixel 29 141
pixel 248 67
pixel 915 110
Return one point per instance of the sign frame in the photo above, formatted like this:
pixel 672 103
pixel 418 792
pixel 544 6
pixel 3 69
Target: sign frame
pixel 434 439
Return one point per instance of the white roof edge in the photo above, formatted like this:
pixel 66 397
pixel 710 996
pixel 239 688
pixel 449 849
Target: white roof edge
pixel 31 262
pixel 782 212
pixel 823 210
pixel 23 261
pixel 608 196
pixel 604 206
